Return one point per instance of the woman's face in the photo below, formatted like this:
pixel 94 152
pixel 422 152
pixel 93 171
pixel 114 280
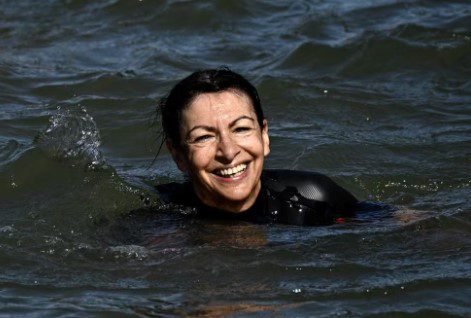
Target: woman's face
pixel 223 149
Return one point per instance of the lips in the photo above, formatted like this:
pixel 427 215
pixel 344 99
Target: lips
pixel 232 172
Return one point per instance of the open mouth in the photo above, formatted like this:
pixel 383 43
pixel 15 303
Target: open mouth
pixel 232 172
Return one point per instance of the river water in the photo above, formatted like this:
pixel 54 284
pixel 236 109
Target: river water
pixel 375 94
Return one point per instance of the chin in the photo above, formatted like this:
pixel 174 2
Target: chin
pixel 235 200
pixel 230 194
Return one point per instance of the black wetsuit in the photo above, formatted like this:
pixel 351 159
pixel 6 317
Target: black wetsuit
pixel 287 196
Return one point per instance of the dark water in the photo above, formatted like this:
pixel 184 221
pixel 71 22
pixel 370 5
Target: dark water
pixel 375 94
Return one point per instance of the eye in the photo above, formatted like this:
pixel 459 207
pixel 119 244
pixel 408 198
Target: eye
pixel 242 129
pixel 203 138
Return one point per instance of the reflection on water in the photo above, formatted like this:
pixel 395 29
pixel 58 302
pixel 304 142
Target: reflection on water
pixel 374 94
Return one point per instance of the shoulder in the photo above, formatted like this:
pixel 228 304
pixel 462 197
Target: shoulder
pixel 311 185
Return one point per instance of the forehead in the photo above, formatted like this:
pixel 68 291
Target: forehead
pixel 218 106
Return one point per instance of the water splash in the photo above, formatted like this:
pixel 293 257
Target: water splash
pixel 72 134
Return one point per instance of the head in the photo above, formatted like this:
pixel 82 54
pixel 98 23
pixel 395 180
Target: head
pixel 214 127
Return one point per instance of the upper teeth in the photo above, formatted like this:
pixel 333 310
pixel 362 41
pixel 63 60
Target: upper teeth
pixel 234 170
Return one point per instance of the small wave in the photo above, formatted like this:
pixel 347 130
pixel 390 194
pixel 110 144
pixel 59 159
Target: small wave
pixel 9 151
pixel 72 134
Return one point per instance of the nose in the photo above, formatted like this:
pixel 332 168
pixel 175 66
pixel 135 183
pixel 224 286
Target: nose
pixel 227 149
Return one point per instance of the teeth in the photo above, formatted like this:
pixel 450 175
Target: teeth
pixel 232 171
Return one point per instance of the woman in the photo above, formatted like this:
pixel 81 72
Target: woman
pixel 214 127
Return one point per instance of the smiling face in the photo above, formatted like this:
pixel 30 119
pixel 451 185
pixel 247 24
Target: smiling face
pixel 223 149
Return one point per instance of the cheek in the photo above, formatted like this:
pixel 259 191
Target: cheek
pixel 253 144
pixel 199 158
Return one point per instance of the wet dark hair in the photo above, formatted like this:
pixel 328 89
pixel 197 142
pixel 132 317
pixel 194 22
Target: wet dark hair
pixel 200 82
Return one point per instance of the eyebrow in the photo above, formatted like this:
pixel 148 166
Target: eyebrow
pixel 231 124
